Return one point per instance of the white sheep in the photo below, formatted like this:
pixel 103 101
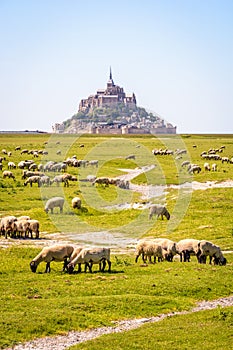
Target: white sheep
pixel 53 253
pixel 9 174
pixel 23 217
pixel 11 165
pixel 76 203
pixel 22 227
pixel 101 181
pixel 33 179
pixel 157 209
pixel 169 246
pixel 214 167
pixel 206 248
pixel 94 163
pixel 34 227
pixel 7 225
pixel 148 248
pixel 187 247
pixel 54 202
pixel 75 253
pixel 90 256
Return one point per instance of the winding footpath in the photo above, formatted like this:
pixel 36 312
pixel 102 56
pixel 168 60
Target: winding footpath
pixel 73 338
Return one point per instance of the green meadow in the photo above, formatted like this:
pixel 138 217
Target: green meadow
pixel 38 305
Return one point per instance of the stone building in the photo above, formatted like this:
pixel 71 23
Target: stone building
pixel 111 96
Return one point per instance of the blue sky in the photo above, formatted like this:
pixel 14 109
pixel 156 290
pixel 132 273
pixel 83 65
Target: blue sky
pixel 175 55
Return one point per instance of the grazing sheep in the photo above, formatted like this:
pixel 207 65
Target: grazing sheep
pixel 90 256
pixel 24 151
pixel 62 178
pixel 94 163
pixel 207 167
pixel 101 181
pixel 0 166
pixel 27 173
pixel 55 202
pixel 11 165
pixel 4 151
pixel 33 166
pixel 9 174
pixel 187 247
pixel 168 246
pixel 76 203
pixel 17 148
pixel 53 253
pixel 33 179
pixel 185 163
pixel 159 210
pixel 75 253
pixel 206 248
pixel 194 168
pixel 149 248
pixel 225 159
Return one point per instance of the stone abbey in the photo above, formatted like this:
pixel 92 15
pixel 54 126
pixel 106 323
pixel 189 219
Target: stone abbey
pixel 109 97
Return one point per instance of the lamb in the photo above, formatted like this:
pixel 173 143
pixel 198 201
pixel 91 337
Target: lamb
pixel 90 256
pixel 53 203
pixel 76 203
pixel 187 247
pixel 206 248
pixel 33 179
pixel 53 253
pixel 9 174
pixel 159 210
pixel 34 226
pixel 149 248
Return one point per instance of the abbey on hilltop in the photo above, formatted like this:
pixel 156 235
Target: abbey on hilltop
pixel 111 97
pixel 112 111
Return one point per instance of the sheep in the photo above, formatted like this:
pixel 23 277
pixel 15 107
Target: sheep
pixel 167 245
pixel 131 156
pixel 11 165
pixel 24 151
pixel 90 256
pixel 214 167
pixel 27 173
pixel 9 174
pixel 33 179
pixel 53 253
pixel 159 210
pixel 206 248
pixel 17 148
pixel 7 225
pixel 187 247
pixel 23 217
pixel 0 166
pixel 45 180
pixel 53 203
pixel 33 166
pixel 194 168
pixel 225 159
pixel 207 167
pixel 62 178
pixel 22 227
pixel 185 163
pixel 76 203
pixel 34 226
pixel 101 181
pixel 148 248
pixel 94 163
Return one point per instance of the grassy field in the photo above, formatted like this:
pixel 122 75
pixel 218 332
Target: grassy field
pixel 35 305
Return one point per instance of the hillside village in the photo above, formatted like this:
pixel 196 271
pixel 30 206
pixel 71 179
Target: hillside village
pixel 112 111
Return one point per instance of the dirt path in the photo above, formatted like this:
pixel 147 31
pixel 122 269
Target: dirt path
pixel 73 338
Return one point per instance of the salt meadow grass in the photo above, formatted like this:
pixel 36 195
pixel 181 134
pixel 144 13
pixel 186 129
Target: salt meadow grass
pixel 36 305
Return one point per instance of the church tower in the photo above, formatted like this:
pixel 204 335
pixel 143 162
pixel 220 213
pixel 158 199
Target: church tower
pixel 110 82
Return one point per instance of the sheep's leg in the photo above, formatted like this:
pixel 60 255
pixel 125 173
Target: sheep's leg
pixel 104 265
pixel 65 264
pixel 109 266
pixel 79 267
pixel 136 259
pixel 47 269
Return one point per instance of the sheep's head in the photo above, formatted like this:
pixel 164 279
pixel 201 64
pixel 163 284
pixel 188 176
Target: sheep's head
pixel 33 266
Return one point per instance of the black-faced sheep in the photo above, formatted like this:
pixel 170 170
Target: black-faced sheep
pixel 187 247
pixel 206 248
pixel 53 253
pixel 55 202
pixel 90 256
pixel 76 203
pixel 159 210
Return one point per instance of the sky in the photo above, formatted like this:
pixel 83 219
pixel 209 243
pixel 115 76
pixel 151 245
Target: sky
pixel 175 55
